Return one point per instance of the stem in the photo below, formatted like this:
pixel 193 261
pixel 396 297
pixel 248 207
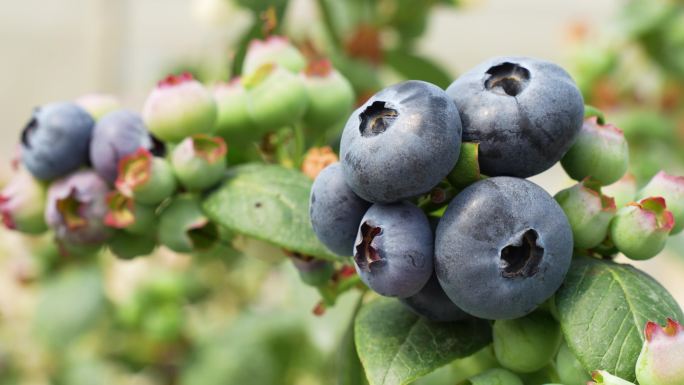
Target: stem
pixel 329 23
pixel 299 144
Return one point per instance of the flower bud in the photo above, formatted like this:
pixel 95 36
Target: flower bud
pixel 640 230
pixel 184 228
pixel 98 105
pixel 526 344
pixel 126 214
pixel 601 377
pixel 276 97
pixel 145 178
pixel 570 370
pixel 600 152
pixel 76 209
pixel 623 191
pixel 495 376
pixel 316 159
pixel 661 361
pixel 589 213
pixel 22 204
pixel 199 161
pixel 180 106
pixel 329 93
pixel 274 49
pixel 671 188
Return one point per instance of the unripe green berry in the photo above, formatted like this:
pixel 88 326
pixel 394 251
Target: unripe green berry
pixel 640 230
pixel 526 344
pixel 661 361
pixel 495 376
pixel 589 213
pixel 184 228
pixel 126 214
pixel 145 178
pixel 600 152
pixel 276 97
pixel 601 377
pixel 98 105
pixel 22 204
pixel 199 161
pixel 312 271
pixel 329 93
pixel 180 106
pixel 671 188
pixel 570 370
pixel 623 191
pixel 274 49
pixel 233 119
pixel 128 246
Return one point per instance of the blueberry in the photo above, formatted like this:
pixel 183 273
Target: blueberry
pixel 502 248
pixel 55 140
pixel 394 249
pixel 335 210
pixel 116 135
pixel 524 112
pixel 432 303
pixel 402 142
pixel 76 207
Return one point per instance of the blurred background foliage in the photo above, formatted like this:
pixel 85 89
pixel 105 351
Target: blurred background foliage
pixel 228 317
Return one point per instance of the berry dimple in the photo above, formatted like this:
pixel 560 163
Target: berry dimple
pixel 366 254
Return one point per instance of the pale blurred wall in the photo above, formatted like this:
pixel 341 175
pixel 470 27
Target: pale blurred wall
pixel 60 49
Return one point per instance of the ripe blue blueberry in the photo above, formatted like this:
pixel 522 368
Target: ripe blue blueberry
pixel 432 303
pixel 335 210
pixel 502 248
pixel 524 112
pixel 55 140
pixel 394 249
pixel 401 142
pixel 116 135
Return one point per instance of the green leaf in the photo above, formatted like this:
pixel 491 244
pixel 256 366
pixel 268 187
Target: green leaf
pixel 269 203
pixel 467 169
pixel 412 66
pixel 396 346
pixel 348 366
pixel 604 306
pixel 69 304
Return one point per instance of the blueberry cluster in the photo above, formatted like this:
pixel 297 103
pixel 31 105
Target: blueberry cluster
pixel 498 246
pixel 96 174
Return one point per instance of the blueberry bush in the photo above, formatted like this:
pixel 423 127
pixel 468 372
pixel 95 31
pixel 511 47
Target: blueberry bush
pixel 440 262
